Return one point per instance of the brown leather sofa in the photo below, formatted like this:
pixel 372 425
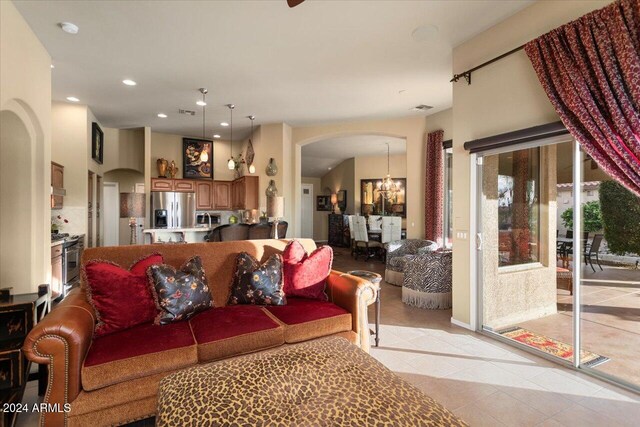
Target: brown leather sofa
pixel 114 379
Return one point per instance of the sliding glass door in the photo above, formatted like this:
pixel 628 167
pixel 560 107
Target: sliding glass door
pixel 552 277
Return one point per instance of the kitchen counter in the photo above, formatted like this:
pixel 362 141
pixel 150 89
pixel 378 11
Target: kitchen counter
pixel 57 242
pixel 173 235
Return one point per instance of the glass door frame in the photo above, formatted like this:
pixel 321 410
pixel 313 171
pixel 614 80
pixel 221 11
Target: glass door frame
pixel 476 228
pixel 477 161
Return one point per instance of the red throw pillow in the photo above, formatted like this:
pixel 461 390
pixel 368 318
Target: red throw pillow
pixel 306 275
pixel 121 298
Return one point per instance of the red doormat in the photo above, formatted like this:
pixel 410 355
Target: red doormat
pixel 551 346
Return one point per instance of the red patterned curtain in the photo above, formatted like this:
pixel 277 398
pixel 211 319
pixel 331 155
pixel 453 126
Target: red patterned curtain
pixel 434 188
pixel 590 70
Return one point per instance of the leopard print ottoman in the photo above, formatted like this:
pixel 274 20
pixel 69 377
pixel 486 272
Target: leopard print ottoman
pixel 327 382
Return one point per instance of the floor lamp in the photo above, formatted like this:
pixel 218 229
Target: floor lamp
pixel 275 210
pixel 132 206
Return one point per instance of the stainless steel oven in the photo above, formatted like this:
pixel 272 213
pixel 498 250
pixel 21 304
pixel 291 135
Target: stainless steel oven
pixel 73 247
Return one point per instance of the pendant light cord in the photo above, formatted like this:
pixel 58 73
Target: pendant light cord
pixel 204 113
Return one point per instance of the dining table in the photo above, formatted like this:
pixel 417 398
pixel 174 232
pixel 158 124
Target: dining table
pixel 565 244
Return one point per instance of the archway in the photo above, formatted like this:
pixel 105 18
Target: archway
pixel 16 181
pixel 342 159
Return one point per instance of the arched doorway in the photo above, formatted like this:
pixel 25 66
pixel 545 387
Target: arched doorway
pixel 16 206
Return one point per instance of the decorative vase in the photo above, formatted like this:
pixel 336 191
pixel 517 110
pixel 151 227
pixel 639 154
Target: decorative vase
pixel 271 191
pixel 173 170
pixel 162 165
pixel 272 168
pixel 233 219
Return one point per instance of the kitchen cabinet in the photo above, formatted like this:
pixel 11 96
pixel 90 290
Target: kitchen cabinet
pixel 222 195
pixel 57 182
pixel 178 185
pixel 245 193
pixel 205 195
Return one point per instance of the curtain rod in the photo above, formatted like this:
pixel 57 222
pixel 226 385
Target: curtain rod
pixel 467 74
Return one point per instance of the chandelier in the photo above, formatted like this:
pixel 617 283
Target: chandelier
pixel 387 185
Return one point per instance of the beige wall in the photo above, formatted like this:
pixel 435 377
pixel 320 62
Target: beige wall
pixel 25 154
pixel 503 96
pixel 342 177
pixel 125 149
pixel 519 293
pixel 375 167
pixel 127 180
pixel 319 218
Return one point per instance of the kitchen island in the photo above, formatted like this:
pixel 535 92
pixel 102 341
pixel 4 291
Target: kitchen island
pixel 176 235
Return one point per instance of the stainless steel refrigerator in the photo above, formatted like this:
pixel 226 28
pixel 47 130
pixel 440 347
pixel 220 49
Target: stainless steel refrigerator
pixel 173 210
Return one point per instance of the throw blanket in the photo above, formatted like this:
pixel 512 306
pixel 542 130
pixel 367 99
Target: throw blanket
pixel 327 382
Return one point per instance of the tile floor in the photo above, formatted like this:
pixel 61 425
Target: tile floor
pixel 485 382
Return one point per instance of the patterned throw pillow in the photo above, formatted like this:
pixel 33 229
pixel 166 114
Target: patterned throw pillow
pixel 257 284
pixel 120 297
pixel 306 275
pixel 179 294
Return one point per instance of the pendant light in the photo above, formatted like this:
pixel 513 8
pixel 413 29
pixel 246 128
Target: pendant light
pixel 231 164
pixel 204 156
pixel 387 183
pixel 250 152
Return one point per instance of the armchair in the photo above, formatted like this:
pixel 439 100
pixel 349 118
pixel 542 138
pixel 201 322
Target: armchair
pixel 401 251
pixel 427 280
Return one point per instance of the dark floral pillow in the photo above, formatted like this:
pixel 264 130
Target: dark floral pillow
pixel 257 284
pixel 179 294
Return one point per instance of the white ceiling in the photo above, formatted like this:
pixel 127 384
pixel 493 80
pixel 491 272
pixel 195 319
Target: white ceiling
pixel 318 157
pixel 322 61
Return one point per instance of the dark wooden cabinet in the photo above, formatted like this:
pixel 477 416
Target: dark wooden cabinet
pixel 17 317
pixel 204 195
pixel 339 230
pixel 222 195
pixel 57 182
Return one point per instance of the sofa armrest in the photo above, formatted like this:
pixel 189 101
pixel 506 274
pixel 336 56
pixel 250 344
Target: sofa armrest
pixel 61 340
pixel 354 295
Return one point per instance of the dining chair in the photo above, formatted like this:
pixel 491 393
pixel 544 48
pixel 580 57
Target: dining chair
pixel 230 232
pixel 352 235
pixel 260 231
pixel 374 222
pixel 362 242
pixel 391 228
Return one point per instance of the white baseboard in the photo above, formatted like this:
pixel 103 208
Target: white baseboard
pixel 461 324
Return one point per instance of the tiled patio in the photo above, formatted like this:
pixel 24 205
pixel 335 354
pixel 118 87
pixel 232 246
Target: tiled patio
pixel 610 319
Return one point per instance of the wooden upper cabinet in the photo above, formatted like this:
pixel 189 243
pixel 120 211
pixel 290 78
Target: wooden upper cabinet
pixel 184 186
pixel 245 193
pixel 204 195
pixel 222 195
pixel 161 184
pixel 179 185
pixel 57 181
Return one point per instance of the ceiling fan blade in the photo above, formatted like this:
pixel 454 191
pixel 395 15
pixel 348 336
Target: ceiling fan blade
pixel 294 3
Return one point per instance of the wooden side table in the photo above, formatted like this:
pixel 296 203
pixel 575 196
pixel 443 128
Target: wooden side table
pixel 376 280
pixel 18 315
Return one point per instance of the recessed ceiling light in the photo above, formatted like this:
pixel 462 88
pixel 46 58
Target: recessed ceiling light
pixel 53 66
pixel 224 124
pixel 329 168
pixel 201 103
pixel 68 27
pixel 216 136
pixel 129 82
pixel 424 33
pixel 72 99
pixel 162 115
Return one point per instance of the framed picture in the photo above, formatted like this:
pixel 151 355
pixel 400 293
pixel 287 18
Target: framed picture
pixel 323 203
pixel 197 158
pixel 97 143
pixel 342 200
pixel 376 202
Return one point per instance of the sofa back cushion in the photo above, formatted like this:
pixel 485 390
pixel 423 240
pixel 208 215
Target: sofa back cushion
pixel 218 258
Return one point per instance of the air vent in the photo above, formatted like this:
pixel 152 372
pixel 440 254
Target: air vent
pixel 422 107
pixel 189 112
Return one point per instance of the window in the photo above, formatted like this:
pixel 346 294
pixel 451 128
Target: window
pixel 519 207
pixel 448 198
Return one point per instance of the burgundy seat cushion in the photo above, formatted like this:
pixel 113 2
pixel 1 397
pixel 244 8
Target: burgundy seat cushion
pixel 233 330
pixel 137 352
pixel 309 318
